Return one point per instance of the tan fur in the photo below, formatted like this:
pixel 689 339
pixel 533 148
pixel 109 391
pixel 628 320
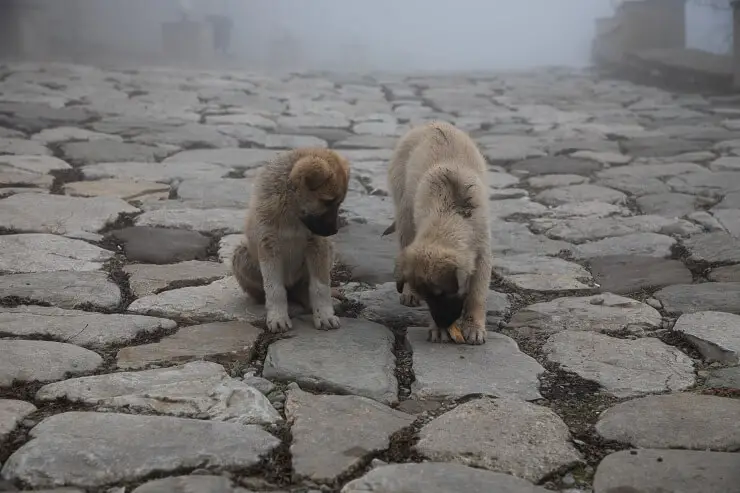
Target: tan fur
pixel 437 178
pixel 282 259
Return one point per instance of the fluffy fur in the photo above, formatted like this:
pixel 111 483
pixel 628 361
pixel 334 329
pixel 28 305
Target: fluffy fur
pixel 287 255
pixel 437 178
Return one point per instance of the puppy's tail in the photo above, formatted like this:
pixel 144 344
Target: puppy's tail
pixel 391 229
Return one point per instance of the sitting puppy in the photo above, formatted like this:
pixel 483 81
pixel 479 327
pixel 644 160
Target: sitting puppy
pixel 287 255
pixel 437 178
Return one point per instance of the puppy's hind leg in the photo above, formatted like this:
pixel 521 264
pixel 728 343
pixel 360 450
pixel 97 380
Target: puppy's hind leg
pixel 276 296
pixel 473 317
pixel 405 229
pixel 246 270
pixel 319 254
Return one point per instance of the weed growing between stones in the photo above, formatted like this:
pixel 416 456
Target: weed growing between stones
pixel 404 365
pixel 125 220
pixel 62 177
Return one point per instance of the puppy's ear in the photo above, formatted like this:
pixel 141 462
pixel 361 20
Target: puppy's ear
pixel 311 172
pixel 463 281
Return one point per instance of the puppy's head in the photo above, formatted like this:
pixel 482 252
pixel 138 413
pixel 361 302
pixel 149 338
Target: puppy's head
pixel 441 277
pixel 320 178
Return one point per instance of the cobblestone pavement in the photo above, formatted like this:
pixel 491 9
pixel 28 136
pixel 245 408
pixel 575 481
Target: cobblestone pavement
pixel 131 362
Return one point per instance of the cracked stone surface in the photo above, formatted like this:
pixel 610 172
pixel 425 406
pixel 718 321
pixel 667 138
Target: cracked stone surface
pixel 615 237
pixel 502 435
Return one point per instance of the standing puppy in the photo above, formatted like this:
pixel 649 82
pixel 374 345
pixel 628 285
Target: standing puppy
pixel 287 255
pixel 437 178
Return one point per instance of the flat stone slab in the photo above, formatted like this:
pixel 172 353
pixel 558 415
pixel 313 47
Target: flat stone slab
pixel 509 238
pixel 43 361
pixel 188 136
pixel 579 230
pixel 41 165
pixel 557 165
pixel 200 389
pixel 724 378
pixel 502 435
pixel 623 274
pixel 160 245
pixel 685 420
pixel 554 181
pixel 132 448
pixel 59 214
pixel 622 367
pixel 356 359
pixel 109 151
pixel 534 273
pixel 639 244
pixel 235 339
pixel 687 471
pixel 86 329
pixel 220 301
pixel 437 477
pixel 449 371
pixel 223 193
pixel 704 297
pixel 604 312
pixel 369 256
pixel 713 247
pixel 728 273
pixel 12 412
pixel 125 189
pixel 715 334
pixel 63 289
pixel 156 172
pixel 358 427
pixel 49 253
pixel 66 134
pixel 669 204
pixel 580 193
pixel 222 221
pixel 231 157
pixel 147 279
pixel 192 483
pixel 22 147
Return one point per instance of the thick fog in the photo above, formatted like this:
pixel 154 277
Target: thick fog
pixel 359 35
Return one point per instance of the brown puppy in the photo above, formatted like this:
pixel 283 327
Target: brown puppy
pixel 287 254
pixel 437 178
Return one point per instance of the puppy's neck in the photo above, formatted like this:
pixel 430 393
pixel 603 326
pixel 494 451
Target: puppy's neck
pixel 444 230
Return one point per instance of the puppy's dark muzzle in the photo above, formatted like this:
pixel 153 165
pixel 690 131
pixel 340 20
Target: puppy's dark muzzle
pixel 323 225
pixel 445 311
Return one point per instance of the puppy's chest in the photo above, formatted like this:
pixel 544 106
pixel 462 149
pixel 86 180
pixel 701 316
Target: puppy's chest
pixel 293 251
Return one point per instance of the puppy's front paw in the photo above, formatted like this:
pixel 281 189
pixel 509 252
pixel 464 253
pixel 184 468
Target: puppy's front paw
pixel 278 321
pixel 437 335
pixel 326 322
pixel 474 333
pixel 409 298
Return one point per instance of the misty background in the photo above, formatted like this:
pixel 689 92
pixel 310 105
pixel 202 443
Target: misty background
pixel 356 35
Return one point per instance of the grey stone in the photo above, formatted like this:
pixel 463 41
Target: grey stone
pixel 660 147
pixel 533 273
pixel 553 181
pixel 219 301
pixel 706 221
pixel 63 289
pixel 622 274
pixel 332 119
pixel 356 359
pixel 725 163
pixel 709 296
pixel 147 279
pixel 43 361
pixel 501 180
pixel 359 427
pixel 22 147
pixel 730 220
pixel 33 164
pixel 91 330
pixel 66 134
pixel 110 151
pixel 657 170
pixel 444 371
pixel 231 339
pixel 277 141
pixel 652 471
pixel 502 209
pixel 502 435
pixel 635 185
pixel 157 172
pixel 509 238
pixel 591 209
pixel 59 214
pixel 580 193
pixel 506 148
pixel 368 255
pixel 364 209
pixel 232 157
pixel 194 390
pixel 12 413
pixel 125 189
pixel 366 142
pixel 624 368
pixel 188 136
pixel 132 447
pixel 715 334
pixel 606 312
pixel 557 165
pixel 188 484
pixel 640 244
pixel 34 117
pixel 578 230
pixel 221 193
pixel 728 273
pixel 160 245
pixel 668 204
pixel 21 179
pixel 604 157
pixel 724 378
pixel 709 184
pixel 201 220
pixel 49 253
pixel 684 420
pixel 437 477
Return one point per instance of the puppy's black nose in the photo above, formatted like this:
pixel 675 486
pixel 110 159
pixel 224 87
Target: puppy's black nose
pixel 445 311
pixel 321 225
